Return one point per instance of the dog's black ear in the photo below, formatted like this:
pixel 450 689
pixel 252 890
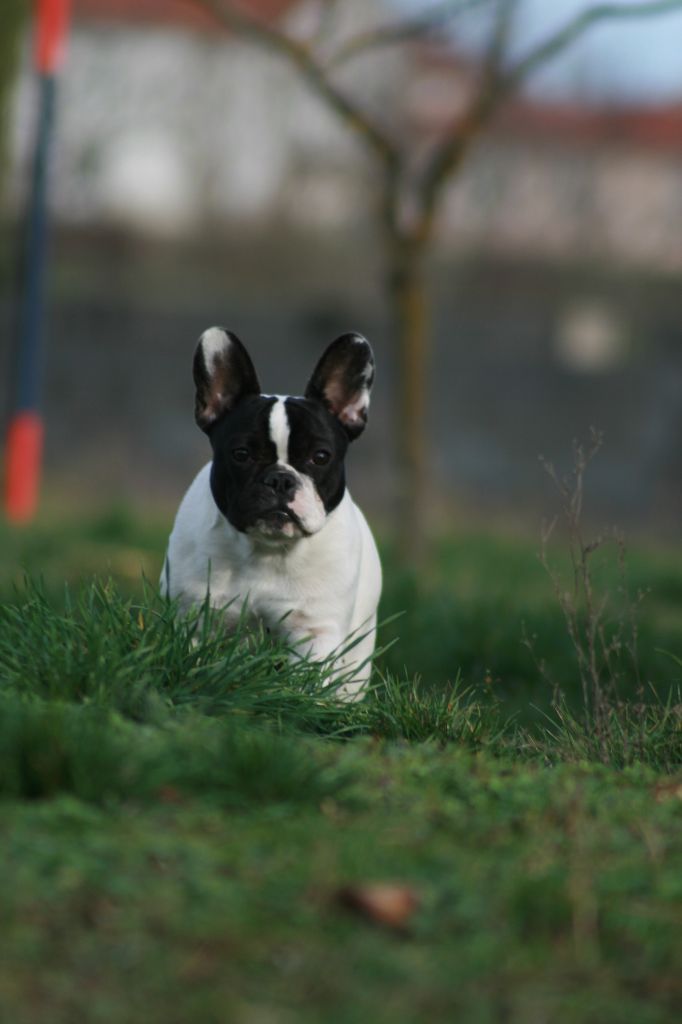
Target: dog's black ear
pixel 223 374
pixel 343 380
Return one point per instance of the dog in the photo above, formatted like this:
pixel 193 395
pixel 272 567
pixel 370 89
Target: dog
pixel 269 523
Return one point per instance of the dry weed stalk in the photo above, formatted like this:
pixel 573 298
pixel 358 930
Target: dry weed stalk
pixel 599 643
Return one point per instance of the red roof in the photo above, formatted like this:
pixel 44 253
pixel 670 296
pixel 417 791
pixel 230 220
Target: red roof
pixel 170 12
pixel 650 127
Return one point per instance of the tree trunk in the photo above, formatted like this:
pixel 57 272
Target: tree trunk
pixel 409 320
pixel 13 18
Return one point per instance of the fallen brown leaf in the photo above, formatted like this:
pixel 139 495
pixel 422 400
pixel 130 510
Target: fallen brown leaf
pixel 670 789
pixel 170 795
pixel 385 903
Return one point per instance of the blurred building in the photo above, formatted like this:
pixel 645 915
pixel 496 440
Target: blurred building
pixel 170 126
pixel 196 179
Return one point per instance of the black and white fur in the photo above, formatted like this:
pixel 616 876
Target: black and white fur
pixel 269 522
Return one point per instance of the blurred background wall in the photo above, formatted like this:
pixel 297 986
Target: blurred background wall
pixel 196 180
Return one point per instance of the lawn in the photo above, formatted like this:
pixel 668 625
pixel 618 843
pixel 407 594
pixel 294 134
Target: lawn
pixel 193 833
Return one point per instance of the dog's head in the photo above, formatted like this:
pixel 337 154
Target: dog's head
pixel 278 461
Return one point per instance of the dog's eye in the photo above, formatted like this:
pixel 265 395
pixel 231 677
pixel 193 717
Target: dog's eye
pixel 240 454
pixel 321 457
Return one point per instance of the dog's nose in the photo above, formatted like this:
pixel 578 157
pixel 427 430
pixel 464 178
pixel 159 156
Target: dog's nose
pixel 281 481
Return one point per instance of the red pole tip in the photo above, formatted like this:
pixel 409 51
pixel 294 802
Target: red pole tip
pixel 52 22
pixel 22 467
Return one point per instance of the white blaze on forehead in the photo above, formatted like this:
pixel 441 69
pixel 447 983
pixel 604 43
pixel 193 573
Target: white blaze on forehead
pixel 280 430
pixel 305 502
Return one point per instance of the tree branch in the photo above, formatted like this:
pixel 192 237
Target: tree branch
pixel 449 154
pixel 500 36
pixel 397 32
pixel 326 17
pixel 312 72
pixel 499 83
pixel 576 27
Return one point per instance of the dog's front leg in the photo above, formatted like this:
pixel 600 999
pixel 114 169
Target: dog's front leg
pixel 318 643
pixel 326 644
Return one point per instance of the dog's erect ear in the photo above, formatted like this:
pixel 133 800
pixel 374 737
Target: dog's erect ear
pixel 223 374
pixel 343 380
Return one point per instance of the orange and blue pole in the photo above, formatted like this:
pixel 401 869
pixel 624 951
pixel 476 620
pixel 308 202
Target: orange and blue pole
pixel 24 447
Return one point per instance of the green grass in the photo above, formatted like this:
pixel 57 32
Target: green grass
pixel 482 596
pixel 534 903
pixel 181 812
pixel 464 617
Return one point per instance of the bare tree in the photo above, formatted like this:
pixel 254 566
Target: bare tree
pixel 409 198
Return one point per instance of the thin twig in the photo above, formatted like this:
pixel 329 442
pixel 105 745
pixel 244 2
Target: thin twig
pixel 395 33
pixel 576 27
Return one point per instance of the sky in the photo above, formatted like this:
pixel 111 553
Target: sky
pixel 638 61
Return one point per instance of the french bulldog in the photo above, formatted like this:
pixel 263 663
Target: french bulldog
pixel 269 522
